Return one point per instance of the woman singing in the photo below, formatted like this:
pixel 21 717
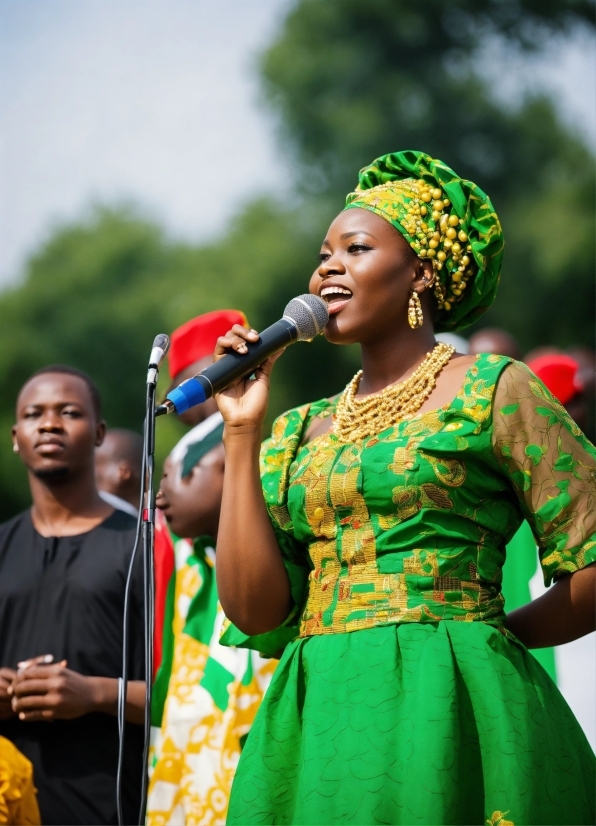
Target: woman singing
pixel 371 542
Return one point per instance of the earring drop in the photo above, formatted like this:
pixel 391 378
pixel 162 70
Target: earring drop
pixel 415 317
pixel 15 448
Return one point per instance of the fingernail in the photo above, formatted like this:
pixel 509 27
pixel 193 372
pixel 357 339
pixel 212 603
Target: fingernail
pixel 22 715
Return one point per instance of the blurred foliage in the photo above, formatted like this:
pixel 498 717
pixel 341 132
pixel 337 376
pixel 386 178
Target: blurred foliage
pixel 355 80
pixel 349 81
pixel 97 294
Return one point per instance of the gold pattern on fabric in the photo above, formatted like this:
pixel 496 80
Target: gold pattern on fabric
pixel 451 472
pixel 411 525
pixel 403 458
pixel 194 754
pixel 423 425
pixel 386 703
pixel 498 819
pixel 357 536
pixel 411 499
pixel 334 508
pixel 347 590
pixel 553 468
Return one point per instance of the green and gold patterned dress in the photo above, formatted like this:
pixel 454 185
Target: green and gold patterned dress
pixel 401 698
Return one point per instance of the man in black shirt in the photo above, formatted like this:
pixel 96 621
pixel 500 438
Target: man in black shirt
pixel 63 568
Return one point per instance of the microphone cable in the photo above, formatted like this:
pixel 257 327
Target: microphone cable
pixel 144 530
pixel 149 582
pixel 123 681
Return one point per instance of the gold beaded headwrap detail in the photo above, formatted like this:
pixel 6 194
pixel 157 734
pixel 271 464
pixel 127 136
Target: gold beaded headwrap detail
pixel 446 220
pixel 434 232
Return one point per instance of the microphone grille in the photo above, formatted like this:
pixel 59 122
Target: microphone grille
pixel 310 315
pixel 162 341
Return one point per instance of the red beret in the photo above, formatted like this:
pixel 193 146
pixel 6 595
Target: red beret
pixel 196 339
pixel 559 373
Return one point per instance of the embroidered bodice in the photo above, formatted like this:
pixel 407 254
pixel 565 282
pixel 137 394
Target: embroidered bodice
pixel 411 525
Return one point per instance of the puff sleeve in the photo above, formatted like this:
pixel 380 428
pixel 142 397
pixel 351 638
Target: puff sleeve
pixel 277 454
pixel 552 468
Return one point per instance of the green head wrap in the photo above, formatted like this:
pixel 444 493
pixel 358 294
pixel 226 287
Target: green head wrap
pixel 445 219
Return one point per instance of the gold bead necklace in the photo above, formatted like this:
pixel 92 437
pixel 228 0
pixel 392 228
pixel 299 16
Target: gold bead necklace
pixel 356 419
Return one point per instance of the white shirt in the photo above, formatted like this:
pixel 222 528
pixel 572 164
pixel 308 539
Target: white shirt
pixel 118 503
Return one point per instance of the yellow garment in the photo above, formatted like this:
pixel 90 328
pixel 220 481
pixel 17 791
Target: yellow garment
pixel 194 754
pixel 18 797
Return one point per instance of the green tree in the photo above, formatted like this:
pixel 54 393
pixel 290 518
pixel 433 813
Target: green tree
pixel 98 292
pixel 349 81
pixel 82 302
pixel 353 80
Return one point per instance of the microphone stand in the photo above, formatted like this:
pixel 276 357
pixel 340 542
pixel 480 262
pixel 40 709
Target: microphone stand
pixel 149 579
pixel 146 531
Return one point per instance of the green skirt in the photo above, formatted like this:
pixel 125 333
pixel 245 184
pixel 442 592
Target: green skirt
pixel 448 723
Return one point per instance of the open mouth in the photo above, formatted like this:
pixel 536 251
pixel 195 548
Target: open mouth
pixel 336 298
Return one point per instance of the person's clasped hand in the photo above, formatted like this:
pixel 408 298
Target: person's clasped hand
pixel 7 677
pixel 51 692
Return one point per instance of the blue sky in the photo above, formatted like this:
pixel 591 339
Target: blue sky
pixel 156 101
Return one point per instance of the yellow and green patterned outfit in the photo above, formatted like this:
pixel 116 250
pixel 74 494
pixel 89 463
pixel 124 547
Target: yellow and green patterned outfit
pixel 205 699
pixel 401 698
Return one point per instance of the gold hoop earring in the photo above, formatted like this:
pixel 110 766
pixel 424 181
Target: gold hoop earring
pixel 415 317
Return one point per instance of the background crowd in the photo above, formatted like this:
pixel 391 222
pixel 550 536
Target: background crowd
pixel 63 566
pixel 345 81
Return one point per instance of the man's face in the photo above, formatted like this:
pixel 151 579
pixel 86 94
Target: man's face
pixel 56 431
pixel 191 505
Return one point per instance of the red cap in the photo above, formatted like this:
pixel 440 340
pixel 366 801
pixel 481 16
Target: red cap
pixel 560 374
pixel 196 339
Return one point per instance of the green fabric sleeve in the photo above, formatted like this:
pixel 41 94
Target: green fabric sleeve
pixel 552 468
pixel 277 454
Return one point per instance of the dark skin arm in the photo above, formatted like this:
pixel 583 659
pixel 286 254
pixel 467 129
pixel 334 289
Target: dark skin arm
pixel 55 692
pixel 368 261
pixel 259 599
pixel 565 613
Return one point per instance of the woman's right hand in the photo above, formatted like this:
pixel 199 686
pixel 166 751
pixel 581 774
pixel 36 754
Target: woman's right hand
pixel 243 405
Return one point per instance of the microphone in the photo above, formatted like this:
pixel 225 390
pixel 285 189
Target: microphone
pixel 303 319
pixel 161 345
